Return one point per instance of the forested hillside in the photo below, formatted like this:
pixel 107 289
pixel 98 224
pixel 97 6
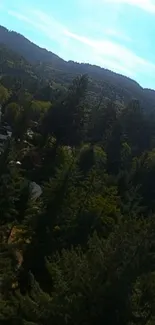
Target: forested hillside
pixel 81 249
pixel 50 67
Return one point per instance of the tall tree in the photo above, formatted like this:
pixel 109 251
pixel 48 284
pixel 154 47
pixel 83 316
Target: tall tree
pixel 66 119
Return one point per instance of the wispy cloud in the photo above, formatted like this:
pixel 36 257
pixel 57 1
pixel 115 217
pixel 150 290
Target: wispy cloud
pixel 104 51
pixel 41 21
pixel 147 5
pixel 117 34
pixel 115 53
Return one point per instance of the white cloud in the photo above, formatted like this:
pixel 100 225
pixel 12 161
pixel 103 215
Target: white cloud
pixel 114 51
pixel 117 34
pixel 47 24
pixel 147 5
pixel 104 52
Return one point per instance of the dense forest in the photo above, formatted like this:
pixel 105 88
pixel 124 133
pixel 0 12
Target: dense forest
pixel 81 250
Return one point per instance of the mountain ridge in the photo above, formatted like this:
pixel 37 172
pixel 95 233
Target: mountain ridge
pixel 52 67
pixel 51 54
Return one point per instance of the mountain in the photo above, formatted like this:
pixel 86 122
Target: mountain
pixel 38 62
pixel 27 49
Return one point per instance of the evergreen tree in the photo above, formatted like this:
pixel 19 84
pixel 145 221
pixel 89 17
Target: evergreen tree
pixel 66 119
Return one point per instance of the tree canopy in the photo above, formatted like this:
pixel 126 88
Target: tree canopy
pixel 81 250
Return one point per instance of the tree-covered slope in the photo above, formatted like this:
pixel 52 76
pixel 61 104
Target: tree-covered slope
pixel 15 69
pixel 49 66
pixel 82 252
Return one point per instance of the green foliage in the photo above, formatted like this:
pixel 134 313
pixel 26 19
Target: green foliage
pixel 12 111
pixel 4 94
pixel 102 284
pixel 82 250
pixel 10 186
pixel 39 108
pixel 66 120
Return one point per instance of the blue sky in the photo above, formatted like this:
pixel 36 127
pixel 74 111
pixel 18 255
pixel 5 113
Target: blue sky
pixel 115 34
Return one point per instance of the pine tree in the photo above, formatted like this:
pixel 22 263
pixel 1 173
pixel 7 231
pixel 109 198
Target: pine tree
pixel 66 120
pixel 10 183
pixel 101 284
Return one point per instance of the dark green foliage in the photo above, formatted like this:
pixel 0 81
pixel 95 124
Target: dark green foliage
pixel 100 285
pixel 10 185
pixel 82 250
pixel 66 120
